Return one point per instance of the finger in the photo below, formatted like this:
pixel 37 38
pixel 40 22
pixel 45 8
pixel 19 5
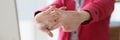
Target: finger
pixel 56 13
pixel 49 33
pixel 58 10
pixel 44 28
pixel 62 8
pixel 51 8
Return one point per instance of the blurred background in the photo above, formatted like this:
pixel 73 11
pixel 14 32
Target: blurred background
pixel 26 8
pixel 25 13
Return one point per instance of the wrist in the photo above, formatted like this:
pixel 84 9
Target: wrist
pixel 85 16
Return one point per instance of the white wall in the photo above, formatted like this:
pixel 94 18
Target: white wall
pixel 116 13
pixel 8 21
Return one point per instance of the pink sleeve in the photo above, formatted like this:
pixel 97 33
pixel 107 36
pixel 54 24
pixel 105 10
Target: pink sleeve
pixel 57 3
pixel 99 9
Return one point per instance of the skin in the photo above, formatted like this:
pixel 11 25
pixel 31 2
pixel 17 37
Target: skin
pixel 71 20
pixel 48 20
pixel 54 18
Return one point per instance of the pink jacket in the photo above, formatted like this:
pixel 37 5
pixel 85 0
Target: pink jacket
pixel 95 29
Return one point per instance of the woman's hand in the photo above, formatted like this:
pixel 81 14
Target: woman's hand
pixel 47 20
pixel 54 17
pixel 71 20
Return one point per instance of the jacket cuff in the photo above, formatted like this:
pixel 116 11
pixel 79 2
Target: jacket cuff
pixel 90 8
pixel 36 13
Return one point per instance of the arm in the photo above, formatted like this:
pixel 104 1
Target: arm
pixel 99 9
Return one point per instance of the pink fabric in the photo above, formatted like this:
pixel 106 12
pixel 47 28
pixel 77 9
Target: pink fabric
pixel 97 28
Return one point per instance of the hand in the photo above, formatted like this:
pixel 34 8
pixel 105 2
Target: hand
pixel 44 20
pixel 47 20
pixel 71 20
